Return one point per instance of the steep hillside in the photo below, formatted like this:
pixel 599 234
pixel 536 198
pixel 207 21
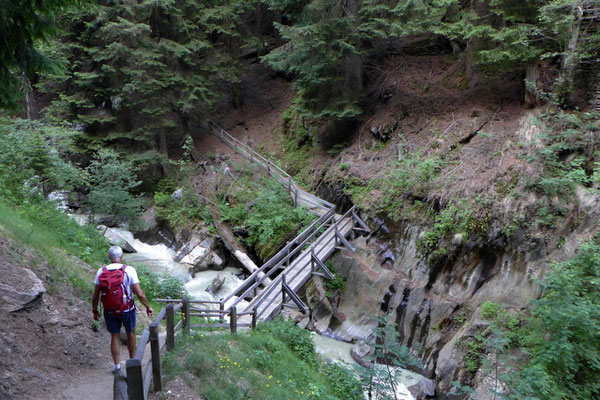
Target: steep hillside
pixel 473 196
pixel 48 345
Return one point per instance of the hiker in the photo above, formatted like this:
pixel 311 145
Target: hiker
pixel 115 285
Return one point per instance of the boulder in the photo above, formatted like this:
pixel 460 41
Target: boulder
pixel 190 240
pixel 178 194
pixel 217 283
pixel 20 288
pixel 424 389
pixel 196 256
pixel 359 352
pixel 117 238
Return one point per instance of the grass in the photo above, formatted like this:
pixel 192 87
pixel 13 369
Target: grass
pixel 276 361
pixel 55 237
pixel 392 191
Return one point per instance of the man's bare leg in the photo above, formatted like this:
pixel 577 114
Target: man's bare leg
pixel 115 347
pixel 131 343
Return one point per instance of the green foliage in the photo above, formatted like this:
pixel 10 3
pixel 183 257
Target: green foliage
pixel 342 382
pixel 23 25
pixel 112 183
pixel 473 350
pixel 412 177
pixel 379 380
pixel 489 310
pixel 567 153
pixel 335 285
pixel 326 44
pixel 36 223
pixel 296 338
pixel 265 363
pixel 138 70
pixel 564 333
pixel 451 220
pixel 34 159
pixel 186 211
pixel 265 212
pixel 160 286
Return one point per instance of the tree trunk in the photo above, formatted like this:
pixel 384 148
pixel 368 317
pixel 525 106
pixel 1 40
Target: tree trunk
pixel 532 76
pixel 233 245
pixel 163 149
pixel 30 105
pixel 236 94
pixel 570 60
pixel 564 89
pixel 479 8
pixel 353 63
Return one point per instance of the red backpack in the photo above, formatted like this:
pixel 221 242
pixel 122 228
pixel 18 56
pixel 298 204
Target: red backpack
pixel 114 295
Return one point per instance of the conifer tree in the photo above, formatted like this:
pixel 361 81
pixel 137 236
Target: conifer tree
pixel 325 50
pixel 141 71
pixel 22 24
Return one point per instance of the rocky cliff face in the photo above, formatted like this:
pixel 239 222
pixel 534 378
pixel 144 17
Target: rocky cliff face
pixel 438 307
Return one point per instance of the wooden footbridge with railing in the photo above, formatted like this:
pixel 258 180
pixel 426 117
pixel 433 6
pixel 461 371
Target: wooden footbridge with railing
pixel 264 294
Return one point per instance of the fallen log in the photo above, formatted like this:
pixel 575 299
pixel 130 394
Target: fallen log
pixel 233 245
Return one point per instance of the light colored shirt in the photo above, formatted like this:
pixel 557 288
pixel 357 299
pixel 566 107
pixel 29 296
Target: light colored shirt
pixel 130 279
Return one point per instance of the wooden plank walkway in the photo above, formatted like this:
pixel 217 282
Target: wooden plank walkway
pixel 293 266
pixel 270 302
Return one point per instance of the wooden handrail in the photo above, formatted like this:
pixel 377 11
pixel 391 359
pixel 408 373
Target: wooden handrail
pixel 285 253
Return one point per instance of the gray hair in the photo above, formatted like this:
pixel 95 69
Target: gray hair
pixel 115 253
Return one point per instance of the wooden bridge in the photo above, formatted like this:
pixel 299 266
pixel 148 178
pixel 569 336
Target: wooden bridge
pixel 260 297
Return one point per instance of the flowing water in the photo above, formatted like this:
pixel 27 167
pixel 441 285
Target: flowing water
pixel 159 258
pixel 335 350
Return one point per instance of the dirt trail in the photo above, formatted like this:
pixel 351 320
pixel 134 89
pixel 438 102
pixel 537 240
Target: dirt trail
pixel 96 381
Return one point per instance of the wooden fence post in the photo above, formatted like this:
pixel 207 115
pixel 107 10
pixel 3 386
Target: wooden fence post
pixel 221 308
pixel 283 297
pixel 135 381
pixel 254 314
pixel 155 351
pixel 170 327
pixel 185 316
pixel 233 319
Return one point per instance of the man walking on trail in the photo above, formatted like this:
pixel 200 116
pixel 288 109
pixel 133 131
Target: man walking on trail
pixel 115 285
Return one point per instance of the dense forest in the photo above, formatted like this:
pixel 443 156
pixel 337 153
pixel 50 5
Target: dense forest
pixel 107 101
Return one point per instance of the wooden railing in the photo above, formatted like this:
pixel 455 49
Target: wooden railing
pixel 139 374
pixel 299 196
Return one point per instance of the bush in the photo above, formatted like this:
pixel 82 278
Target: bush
pixel 413 175
pixel 452 219
pixel 489 310
pixel 184 212
pixel 112 184
pixel 337 283
pixel 160 286
pixel 296 338
pixel 260 364
pixel 34 158
pixel 564 332
pixel 266 213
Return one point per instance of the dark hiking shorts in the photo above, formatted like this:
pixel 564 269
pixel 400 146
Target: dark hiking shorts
pixel 127 320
